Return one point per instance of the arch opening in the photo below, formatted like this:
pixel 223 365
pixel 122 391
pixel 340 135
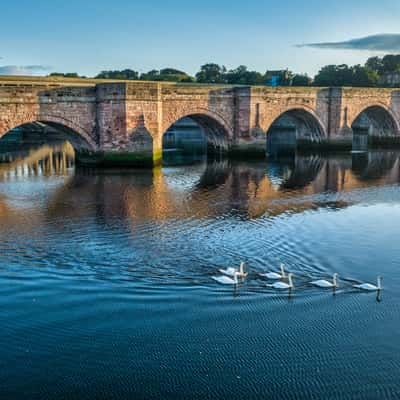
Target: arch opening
pixel 292 129
pixel 41 142
pixel 374 126
pixel 194 138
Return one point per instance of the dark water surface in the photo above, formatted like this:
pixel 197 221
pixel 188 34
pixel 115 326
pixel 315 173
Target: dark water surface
pixel 106 289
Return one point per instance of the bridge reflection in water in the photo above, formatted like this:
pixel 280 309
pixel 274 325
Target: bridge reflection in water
pixel 247 190
pixel 46 160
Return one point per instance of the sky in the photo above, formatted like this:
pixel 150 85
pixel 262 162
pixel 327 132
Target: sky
pixel 42 36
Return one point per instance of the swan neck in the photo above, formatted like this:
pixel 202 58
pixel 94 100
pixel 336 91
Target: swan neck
pixel 290 281
pixel 242 267
pixel 379 283
pixel 283 271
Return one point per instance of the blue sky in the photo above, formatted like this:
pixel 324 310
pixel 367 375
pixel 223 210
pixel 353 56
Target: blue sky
pixel 89 36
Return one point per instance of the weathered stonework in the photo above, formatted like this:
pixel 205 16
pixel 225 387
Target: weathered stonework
pixel 120 121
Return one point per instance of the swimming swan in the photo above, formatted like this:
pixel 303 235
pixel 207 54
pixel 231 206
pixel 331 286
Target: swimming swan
pixel 369 287
pixel 232 271
pixel 275 275
pixel 226 280
pixel 322 283
pixel 283 285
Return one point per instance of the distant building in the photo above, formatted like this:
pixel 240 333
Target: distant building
pixel 391 79
pixel 279 78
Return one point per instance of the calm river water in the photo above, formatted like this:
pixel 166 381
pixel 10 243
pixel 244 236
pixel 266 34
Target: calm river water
pixel 106 287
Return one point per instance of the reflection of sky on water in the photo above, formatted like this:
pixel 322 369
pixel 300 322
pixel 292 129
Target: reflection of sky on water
pixel 277 175
pixel 183 178
pixel 27 193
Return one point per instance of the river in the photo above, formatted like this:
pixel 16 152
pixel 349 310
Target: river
pixel 106 286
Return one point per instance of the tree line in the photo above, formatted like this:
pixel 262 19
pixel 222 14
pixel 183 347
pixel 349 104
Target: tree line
pixel 377 71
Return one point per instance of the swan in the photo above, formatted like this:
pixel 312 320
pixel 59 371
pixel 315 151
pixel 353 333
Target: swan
pixel 322 283
pixel 232 271
pixel 369 287
pixel 226 280
pixel 275 275
pixel 283 285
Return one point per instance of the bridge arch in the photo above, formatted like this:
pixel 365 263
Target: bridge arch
pixel 294 125
pixel 218 133
pixel 304 119
pixel 376 120
pixel 77 135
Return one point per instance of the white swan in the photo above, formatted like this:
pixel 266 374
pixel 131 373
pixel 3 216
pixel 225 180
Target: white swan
pixel 369 287
pixel 283 285
pixel 226 280
pixel 232 271
pixel 322 283
pixel 276 275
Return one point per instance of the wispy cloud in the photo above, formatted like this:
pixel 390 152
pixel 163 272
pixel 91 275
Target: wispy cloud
pixel 23 69
pixel 381 42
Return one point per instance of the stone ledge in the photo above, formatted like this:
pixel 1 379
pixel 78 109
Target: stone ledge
pixel 114 159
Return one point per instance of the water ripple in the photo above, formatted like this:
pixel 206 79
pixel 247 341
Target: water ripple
pixel 106 284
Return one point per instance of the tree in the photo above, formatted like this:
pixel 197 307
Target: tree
pixel 334 75
pixel 211 73
pixel 390 63
pixel 242 76
pixel 387 64
pixel 171 71
pixel 152 75
pixel 301 80
pixel 363 76
pixel 387 69
pixel 126 74
pixel 66 74
pixel 166 75
pixel 343 75
pixel 374 64
pixel 188 79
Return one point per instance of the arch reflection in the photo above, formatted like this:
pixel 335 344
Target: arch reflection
pixel 220 188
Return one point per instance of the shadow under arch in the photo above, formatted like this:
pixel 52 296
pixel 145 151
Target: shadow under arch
pixel 375 123
pixel 292 128
pixel 216 135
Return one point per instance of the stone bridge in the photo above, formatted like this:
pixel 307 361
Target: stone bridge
pixel 122 121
